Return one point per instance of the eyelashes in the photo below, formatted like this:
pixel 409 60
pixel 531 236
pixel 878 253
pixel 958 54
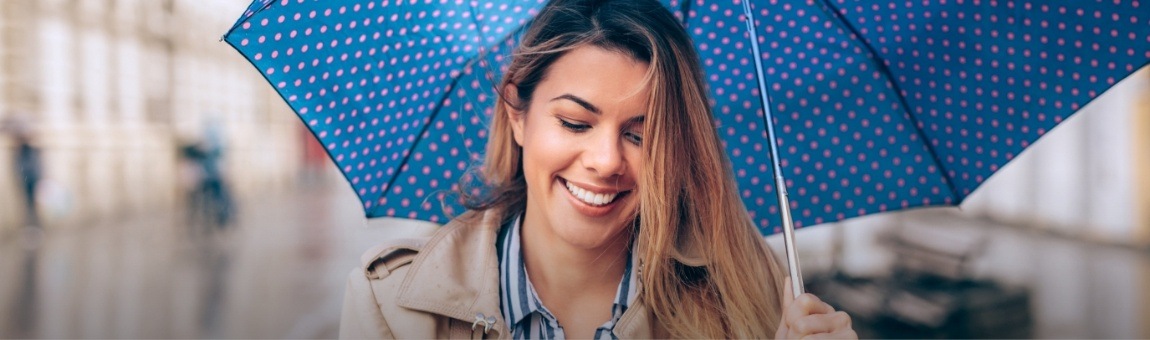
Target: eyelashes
pixel 633 138
pixel 573 127
pixel 630 136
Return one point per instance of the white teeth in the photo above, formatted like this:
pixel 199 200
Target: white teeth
pixel 589 197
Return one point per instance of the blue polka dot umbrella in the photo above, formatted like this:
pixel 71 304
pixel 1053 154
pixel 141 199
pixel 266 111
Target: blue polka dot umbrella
pixel 878 105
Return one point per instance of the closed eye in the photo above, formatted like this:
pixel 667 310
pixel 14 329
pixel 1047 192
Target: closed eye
pixel 573 127
pixel 634 130
pixel 633 137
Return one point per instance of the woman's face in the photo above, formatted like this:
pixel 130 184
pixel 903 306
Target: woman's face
pixel 581 138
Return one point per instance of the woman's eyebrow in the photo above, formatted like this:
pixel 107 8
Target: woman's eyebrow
pixel 580 101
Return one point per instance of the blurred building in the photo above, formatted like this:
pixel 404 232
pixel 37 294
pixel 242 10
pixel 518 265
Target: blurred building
pixel 113 87
pixel 1087 177
pixel 1068 220
pixel 1085 180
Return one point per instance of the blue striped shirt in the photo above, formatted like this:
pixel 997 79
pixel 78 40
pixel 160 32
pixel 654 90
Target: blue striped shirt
pixel 521 307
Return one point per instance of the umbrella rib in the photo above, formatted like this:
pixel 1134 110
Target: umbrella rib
pixel 247 16
pixel 882 67
pixel 422 131
pixel 684 8
pixel 435 113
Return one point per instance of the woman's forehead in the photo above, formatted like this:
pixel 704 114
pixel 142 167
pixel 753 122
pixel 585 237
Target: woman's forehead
pixel 598 80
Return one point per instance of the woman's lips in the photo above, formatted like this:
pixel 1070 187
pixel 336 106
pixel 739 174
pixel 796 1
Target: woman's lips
pixel 592 203
pixel 590 197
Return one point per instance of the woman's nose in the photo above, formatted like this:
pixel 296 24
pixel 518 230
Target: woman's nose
pixel 604 155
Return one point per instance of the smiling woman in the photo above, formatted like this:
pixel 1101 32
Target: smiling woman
pixel 582 152
pixel 610 209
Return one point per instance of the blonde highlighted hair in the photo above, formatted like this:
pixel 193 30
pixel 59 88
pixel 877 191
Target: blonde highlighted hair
pixel 706 272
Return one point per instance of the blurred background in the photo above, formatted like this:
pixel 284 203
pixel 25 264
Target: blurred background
pixel 152 185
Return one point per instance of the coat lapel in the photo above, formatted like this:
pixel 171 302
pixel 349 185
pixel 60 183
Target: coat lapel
pixel 635 323
pixel 457 273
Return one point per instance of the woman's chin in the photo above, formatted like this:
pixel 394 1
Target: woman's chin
pixel 593 234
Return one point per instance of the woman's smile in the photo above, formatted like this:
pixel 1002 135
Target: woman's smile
pixel 593 201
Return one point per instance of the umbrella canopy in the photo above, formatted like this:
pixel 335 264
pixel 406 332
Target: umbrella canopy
pixel 398 93
pixel 884 105
pixel 879 105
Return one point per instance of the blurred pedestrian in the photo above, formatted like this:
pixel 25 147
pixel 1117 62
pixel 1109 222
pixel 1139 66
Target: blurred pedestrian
pixel 210 195
pixel 28 165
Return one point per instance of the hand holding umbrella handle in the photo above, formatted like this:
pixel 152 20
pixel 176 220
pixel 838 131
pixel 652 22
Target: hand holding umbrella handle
pixel 780 183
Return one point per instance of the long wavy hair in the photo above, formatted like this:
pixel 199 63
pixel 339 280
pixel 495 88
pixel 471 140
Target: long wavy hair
pixel 706 271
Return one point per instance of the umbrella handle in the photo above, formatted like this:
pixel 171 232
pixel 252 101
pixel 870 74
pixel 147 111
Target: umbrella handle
pixel 789 239
pixel 780 183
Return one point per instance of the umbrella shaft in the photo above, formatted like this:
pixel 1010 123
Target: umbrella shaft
pixel 780 183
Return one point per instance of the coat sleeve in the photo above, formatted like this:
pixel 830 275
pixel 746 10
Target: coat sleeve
pixel 361 317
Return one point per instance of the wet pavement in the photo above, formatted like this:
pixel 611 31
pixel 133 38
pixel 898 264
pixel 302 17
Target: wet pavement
pixel 279 272
pixel 1077 289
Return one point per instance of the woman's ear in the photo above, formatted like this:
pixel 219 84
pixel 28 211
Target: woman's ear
pixel 514 116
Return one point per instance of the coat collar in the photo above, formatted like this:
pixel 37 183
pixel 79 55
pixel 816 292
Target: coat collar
pixel 456 275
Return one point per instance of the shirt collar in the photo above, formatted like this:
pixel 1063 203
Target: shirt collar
pixel 518 299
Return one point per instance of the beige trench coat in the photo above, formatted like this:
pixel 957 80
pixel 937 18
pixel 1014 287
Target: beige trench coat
pixel 445 286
